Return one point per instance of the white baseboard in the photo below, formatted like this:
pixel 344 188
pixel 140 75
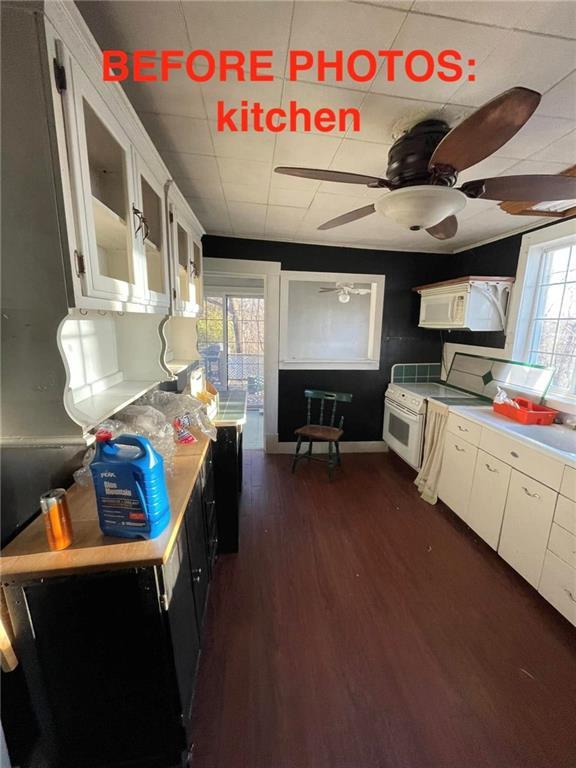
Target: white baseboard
pixel 273 445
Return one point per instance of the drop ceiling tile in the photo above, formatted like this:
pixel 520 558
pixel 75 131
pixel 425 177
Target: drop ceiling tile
pixel 244 146
pixel 550 18
pixel 205 205
pixel 537 134
pixel 491 166
pixel 537 167
pixel 501 13
pixel 182 165
pixel 176 133
pixel 247 217
pixel 336 204
pixel 210 188
pixel 176 96
pixel 293 183
pixel 250 172
pixel 331 26
pixel 283 217
pixel 474 208
pixel 434 34
pixel 240 26
pixel 297 198
pixel 366 157
pixel 520 59
pixel 560 101
pixel 562 150
pixel 136 25
pixel 379 115
pixel 245 193
pixel 305 149
pixel 315 97
pixel 268 95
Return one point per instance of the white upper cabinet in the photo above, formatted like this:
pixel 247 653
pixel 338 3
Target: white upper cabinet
pixel 105 196
pixel 151 234
pixel 186 262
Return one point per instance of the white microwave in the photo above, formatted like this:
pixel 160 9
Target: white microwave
pixel 472 304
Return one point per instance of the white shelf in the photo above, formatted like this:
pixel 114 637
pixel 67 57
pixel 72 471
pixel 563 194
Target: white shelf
pixel 175 366
pixel 110 228
pixel 92 410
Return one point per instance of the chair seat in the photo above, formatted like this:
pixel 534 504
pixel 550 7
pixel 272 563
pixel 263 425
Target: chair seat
pixel 317 432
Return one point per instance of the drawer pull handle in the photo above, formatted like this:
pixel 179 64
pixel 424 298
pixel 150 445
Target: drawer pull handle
pixel 460 450
pixel 513 453
pixel 570 594
pixel 490 469
pixel 462 429
pixel 532 495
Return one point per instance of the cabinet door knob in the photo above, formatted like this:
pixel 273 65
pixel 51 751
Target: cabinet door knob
pixel 460 450
pixel 513 453
pixel 570 594
pixel 528 493
pixel 490 469
pixel 462 429
pixel 196 574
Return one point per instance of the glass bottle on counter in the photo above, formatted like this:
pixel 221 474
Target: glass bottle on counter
pixel 56 515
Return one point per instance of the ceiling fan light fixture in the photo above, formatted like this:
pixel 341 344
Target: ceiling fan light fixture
pixel 420 207
pixel 344 298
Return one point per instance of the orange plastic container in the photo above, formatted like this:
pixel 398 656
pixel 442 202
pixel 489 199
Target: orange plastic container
pixel 527 412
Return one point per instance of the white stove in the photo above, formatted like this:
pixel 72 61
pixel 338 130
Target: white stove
pixel 405 415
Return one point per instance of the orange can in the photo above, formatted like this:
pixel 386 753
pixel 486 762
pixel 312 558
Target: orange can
pixel 56 518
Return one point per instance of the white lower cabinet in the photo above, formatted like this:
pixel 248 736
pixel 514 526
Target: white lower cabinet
pixel 488 497
pixel 457 473
pixel 527 519
pixel 558 585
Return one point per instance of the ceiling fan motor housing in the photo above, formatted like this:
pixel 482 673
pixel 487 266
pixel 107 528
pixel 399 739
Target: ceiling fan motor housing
pixel 409 156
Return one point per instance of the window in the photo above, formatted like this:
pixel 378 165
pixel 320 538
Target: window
pixel 551 335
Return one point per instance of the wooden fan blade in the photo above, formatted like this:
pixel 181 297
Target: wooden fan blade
pixel 485 130
pixel 359 213
pixel 325 175
pixel 446 229
pixel 536 188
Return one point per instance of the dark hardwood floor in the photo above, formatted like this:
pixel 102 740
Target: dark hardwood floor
pixel 362 628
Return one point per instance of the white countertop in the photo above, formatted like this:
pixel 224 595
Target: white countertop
pixel 554 440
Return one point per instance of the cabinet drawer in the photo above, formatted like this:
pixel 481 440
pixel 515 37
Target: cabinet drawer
pixel 565 514
pixel 526 527
pixel 558 586
pixel 568 487
pixel 464 428
pixel 457 472
pixel 523 458
pixel 488 497
pixel 563 544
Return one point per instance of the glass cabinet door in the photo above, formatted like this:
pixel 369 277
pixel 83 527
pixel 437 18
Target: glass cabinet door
pixel 151 236
pixel 187 256
pixel 105 197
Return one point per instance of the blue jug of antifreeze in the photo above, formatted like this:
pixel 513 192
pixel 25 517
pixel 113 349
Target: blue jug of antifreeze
pixel 130 487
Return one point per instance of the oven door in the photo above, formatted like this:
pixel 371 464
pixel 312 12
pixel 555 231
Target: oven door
pixel 404 432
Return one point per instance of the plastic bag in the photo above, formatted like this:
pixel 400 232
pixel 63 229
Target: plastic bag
pixel 503 397
pixel 181 408
pixel 151 423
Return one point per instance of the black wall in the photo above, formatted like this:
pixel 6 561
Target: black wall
pixel 402 340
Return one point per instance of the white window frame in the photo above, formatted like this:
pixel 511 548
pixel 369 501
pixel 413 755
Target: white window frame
pixel 372 361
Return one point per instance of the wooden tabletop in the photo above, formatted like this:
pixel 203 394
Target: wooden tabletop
pixel 28 555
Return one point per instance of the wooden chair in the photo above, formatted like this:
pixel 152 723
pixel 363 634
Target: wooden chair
pixel 321 432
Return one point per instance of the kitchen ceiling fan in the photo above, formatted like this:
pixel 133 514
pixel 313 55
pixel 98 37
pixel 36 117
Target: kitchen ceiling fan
pixel 424 163
pixel 345 290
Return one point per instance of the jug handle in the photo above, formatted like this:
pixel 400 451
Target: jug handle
pixel 134 440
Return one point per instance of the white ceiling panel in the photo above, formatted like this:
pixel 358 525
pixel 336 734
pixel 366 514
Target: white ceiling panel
pixel 432 34
pixel 228 176
pixel 560 101
pixel 240 26
pixel 348 27
pixel 176 133
pixel 561 151
pixel 520 59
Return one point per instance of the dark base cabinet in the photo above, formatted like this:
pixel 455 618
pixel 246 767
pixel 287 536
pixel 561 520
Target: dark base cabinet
pixel 228 477
pixel 111 658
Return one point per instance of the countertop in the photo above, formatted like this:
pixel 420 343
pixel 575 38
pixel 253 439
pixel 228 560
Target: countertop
pixel 28 555
pixel 554 440
pixel 231 408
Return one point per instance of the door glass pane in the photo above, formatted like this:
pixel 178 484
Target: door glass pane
pixel 399 429
pixel 245 331
pixel 210 331
pixel 152 211
pixel 107 163
pixel 183 264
